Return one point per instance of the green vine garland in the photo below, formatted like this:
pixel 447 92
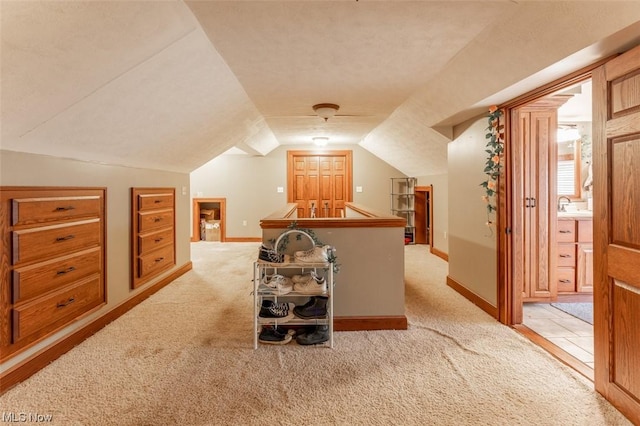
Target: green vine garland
pixel 493 165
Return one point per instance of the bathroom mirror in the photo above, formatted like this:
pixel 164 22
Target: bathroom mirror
pixel 569 166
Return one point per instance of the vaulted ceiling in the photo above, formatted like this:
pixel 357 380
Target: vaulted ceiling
pixel 172 84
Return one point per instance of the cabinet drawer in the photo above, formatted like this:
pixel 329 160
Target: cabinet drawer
pixel 156 261
pixel 566 279
pixel 154 220
pixel 155 201
pixel 567 255
pixel 35 280
pixel 152 241
pixel 585 231
pixel 27 211
pixel 51 312
pixel 566 232
pixel 51 241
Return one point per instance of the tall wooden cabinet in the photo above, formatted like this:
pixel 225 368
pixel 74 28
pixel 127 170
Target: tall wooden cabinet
pixel 153 233
pixel 52 265
pixel 535 210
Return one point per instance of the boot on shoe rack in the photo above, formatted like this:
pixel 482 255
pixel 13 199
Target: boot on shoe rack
pixel 315 308
pixel 319 335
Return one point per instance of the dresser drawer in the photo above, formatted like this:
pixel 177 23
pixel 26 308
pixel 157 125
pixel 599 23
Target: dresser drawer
pixel 51 241
pixel 152 241
pixel 154 220
pixel 566 279
pixel 156 261
pixel 567 255
pixel 27 211
pixel 566 232
pixel 45 314
pixel 155 201
pixel 35 280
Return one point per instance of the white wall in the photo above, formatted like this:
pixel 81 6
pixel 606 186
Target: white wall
pixel 472 244
pixel 249 184
pixel 18 169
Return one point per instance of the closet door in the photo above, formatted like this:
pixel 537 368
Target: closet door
pixel 536 128
pixel 319 182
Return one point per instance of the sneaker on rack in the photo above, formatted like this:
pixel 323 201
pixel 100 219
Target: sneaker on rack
pixel 278 311
pixel 313 284
pixel 274 335
pixel 314 255
pixel 278 283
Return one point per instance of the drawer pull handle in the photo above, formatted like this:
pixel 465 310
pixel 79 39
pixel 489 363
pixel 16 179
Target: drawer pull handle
pixel 157 240
pixel 65 303
pixel 68 237
pixel 565 255
pixel 66 271
pixel 157 201
pixel 64 209
pixel 160 259
pixel 565 231
pixel 157 219
pixel 565 281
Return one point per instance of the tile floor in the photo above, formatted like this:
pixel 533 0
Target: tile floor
pixel 571 334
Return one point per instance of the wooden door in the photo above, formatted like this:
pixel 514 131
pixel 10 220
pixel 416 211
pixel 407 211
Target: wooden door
pixel 616 166
pixel 536 126
pixel 319 182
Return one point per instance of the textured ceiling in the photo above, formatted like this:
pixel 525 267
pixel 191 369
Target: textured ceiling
pixel 172 84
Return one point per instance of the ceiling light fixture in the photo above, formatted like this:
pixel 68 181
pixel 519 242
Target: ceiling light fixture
pixel 326 111
pixel 320 140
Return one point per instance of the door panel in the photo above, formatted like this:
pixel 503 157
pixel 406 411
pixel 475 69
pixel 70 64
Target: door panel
pixel 616 165
pixel 320 182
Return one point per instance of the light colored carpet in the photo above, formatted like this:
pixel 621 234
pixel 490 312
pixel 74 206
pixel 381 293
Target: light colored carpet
pixel 185 356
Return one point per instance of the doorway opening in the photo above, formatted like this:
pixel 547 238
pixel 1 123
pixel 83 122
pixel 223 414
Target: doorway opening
pixel 547 263
pixel 424 215
pixel 209 218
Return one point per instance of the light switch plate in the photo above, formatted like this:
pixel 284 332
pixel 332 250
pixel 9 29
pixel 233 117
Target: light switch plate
pixel 280 189
pixel 358 189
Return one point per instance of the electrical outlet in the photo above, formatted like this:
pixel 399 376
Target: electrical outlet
pixel 244 223
pixel 445 235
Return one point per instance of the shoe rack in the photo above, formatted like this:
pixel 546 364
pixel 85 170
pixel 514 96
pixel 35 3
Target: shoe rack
pixel 292 296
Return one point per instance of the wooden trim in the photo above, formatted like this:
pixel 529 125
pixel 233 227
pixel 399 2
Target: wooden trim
pixel 395 322
pixel 556 351
pixel 41 359
pixel 472 297
pixel 243 240
pixel 361 222
pixel 284 213
pixel 439 253
pixel 196 217
pixel 554 86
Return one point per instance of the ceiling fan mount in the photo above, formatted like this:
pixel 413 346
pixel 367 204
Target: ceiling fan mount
pixel 326 110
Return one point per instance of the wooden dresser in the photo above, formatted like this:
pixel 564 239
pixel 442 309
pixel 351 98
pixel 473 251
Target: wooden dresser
pixel 574 240
pixel 52 264
pixel 153 227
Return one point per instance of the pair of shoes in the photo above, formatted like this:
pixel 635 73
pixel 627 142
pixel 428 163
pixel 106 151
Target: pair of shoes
pixel 279 283
pixel 315 308
pixel 274 336
pixel 309 283
pixel 319 335
pixel 279 311
pixel 314 255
